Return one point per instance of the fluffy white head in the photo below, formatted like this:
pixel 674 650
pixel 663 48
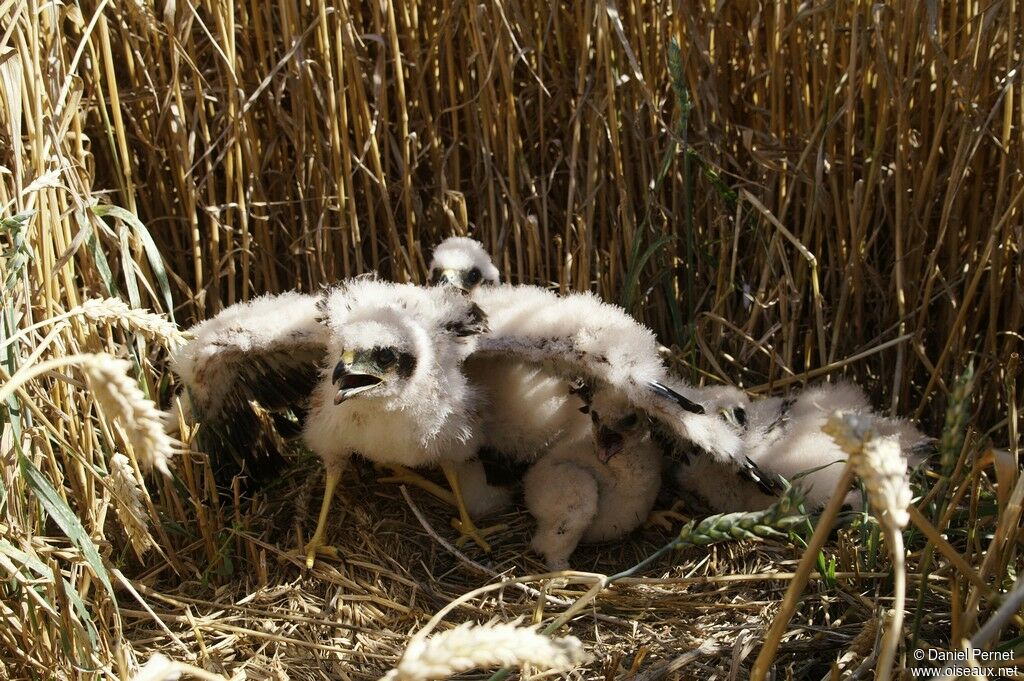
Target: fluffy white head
pixel 411 338
pixel 393 388
pixel 727 402
pixel 463 263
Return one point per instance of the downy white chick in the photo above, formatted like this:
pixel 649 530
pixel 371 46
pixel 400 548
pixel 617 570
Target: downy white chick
pixel 783 437
pixel 463 263
pixel 597 485
pixel 539 343
pixel 388 361
pixel 577 336
pixel 528 407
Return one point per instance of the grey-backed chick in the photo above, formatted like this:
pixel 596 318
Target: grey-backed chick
pixel 597 485
pixel 783 437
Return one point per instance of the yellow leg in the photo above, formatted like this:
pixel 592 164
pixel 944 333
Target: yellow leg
pixel 464 524
pixel 401 474
pixel 316 544
pixel 664 519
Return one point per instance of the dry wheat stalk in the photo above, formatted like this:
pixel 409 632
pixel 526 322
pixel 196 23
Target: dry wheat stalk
pixel 128 503
pixel 113 312
pixel 470 646
pixel 880 464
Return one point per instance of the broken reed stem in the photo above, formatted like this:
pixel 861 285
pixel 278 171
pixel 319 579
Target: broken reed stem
pixel 789 602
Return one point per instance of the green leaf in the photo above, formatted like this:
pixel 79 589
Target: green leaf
pixel 16 222
pixel 128 265
pixel 156 261
pixel 28 560
pixel 20 252
pixel 66 519
pixel 98 256
pixel 83 612
pixel 636 268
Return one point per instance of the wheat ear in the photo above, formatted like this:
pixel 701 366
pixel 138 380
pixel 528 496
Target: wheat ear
pixel 470 646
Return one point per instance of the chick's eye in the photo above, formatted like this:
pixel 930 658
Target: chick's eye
pixel 386 357
pixel 473 276
pixel 630 421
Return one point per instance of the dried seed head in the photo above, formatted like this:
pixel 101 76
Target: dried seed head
pixel 880 464
pixel 125 406
pixel 470 646
pixel 127 498
pixel 115 312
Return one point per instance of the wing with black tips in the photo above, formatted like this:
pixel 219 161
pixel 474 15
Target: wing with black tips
pixel 580 337
pixel 268 350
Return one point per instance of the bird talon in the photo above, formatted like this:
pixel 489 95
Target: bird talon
pixel 468 530
pixel 665 519
pixel 316 547
pixel 404 476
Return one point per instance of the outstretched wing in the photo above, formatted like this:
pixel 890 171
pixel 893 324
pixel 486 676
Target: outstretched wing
pixel 579 336
pixel 446 315
pixel 267 350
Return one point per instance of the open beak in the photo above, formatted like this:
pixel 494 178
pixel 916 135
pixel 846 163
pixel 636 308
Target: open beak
pixel 609 443
pixel 351 384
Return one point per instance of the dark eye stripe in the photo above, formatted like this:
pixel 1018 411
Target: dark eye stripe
pixel 741 416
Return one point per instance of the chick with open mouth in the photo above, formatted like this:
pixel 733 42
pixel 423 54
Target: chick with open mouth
pixel 597 485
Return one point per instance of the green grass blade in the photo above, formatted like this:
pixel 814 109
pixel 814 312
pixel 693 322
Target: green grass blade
pixel 99 257
pixel 20 252
pixel 636 267
pixel 66 519
pixel 156 261
pixel 128 265
pixel 83 613
pixel 26 559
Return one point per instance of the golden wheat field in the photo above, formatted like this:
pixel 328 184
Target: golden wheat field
pixel 786 192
